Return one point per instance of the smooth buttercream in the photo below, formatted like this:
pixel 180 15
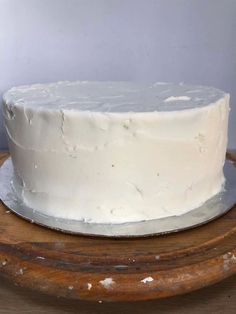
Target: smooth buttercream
pixel 115 152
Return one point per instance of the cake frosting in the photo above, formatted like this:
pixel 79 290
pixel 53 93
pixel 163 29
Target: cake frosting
pixel 116 152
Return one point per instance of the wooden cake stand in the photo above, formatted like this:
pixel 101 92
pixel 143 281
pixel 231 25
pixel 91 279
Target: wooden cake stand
pixel 103 269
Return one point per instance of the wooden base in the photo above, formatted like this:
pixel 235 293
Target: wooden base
pixel 104 269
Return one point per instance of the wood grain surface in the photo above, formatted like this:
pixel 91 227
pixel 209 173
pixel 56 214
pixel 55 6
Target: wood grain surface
pixel 99 269
pixel 218 299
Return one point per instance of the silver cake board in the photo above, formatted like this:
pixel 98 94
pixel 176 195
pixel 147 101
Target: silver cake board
pixel 213 208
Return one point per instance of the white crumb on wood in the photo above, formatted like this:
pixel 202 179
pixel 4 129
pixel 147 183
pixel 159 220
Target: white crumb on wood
pixel 228 258
pixel 89 285
pixel 147 279
pixel 100 301
pixel 225 256
pixel 20 272
pixel 4 263
pixel 107 282
pixel 40 257
pixel 157 257
pixel 70 287
pixel 233 257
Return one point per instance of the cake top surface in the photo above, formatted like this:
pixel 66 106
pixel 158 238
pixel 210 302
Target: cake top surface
pixel 112 96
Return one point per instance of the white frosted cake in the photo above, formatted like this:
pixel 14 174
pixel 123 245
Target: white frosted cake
pixel 116 152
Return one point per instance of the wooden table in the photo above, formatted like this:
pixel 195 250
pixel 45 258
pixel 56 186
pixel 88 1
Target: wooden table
pixel 218 299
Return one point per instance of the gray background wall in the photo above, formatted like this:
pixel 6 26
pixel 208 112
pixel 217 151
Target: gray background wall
pixel 154 40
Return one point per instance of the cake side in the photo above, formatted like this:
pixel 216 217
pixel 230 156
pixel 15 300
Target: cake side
pixel 115 167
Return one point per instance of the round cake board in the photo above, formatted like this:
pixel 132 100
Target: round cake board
pixel 106 269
